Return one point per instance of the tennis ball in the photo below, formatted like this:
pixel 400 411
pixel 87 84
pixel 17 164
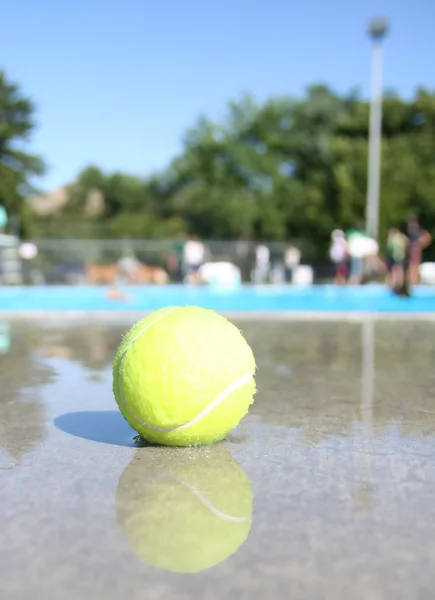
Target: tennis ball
pixel 184 376
pixel 182 509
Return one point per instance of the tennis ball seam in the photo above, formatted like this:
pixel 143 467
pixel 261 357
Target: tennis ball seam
pixel 124 354
pixel 206 502
pixel 212 405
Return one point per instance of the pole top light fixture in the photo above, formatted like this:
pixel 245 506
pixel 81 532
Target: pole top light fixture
pixel 377 29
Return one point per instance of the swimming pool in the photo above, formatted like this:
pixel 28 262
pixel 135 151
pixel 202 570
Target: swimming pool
pixel 246 299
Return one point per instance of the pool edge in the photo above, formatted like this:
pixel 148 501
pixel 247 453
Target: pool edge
pixel 115 315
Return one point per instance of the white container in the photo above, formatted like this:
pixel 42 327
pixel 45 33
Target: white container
pixel 303 275
pixel 427 273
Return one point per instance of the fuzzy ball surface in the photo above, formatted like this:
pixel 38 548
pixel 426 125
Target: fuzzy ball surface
pixel 184 376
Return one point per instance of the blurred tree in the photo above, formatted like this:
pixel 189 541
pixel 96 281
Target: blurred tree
pixel 16 166
pixel 289 168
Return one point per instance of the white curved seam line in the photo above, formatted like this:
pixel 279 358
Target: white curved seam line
pixel 213 404
pixel 230 389
pixel 206 503
pixel 220 398
pixel 141 332
pixel 209 506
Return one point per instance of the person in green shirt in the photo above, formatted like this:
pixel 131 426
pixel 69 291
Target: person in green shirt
pixel 175 259
pixel 397 247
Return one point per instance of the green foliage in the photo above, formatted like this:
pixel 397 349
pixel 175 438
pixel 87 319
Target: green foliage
pixel 143 225
pixel 16 166
pixel 289 168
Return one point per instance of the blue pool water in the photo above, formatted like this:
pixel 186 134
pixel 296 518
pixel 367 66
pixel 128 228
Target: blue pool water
pixel 326 298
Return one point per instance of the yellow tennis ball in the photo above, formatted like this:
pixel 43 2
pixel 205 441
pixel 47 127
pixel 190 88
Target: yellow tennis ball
pixel 184 376
pixel 184 510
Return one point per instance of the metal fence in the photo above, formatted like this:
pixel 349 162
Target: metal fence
pixel 69 261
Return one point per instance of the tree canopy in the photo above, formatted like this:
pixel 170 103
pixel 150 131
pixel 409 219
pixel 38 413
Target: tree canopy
pixel 289 168
pixel 16 165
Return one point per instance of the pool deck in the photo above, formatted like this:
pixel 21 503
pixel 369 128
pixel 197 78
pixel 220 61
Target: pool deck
pixel 289 315
pixel 325 491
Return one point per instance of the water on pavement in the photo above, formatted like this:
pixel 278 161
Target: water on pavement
pixel 325 490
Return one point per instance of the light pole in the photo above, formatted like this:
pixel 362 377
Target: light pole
pixel 377 30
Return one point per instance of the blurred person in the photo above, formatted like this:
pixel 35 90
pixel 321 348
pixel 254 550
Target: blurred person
pixel 338 253
pixel 397 248
pixel 374 268
pixel 357 242
pixel 418 240
pixel 174 262
pixel 292 259
pixel 173 266
pixel 193 256
pixel 262 263
pixel 3 218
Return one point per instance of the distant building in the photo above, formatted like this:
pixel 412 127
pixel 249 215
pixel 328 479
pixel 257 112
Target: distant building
pixel 54 202
pixel 51 202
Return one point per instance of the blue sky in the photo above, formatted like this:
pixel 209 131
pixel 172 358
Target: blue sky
pixel 117 82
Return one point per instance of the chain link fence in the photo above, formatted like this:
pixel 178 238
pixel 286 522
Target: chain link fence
pixel 70 261
pixel 81 262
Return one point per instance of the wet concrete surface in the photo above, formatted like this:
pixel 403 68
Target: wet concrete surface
pixel 325 491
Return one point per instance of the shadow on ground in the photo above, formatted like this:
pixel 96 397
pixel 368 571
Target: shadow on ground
pixel 106 427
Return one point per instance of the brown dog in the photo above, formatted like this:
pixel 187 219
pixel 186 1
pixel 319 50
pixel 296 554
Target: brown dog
pixel 151 275
pixel 101 274
pixel 143 275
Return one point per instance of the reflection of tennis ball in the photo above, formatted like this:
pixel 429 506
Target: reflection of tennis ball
pixel 184 376
pixel 184 510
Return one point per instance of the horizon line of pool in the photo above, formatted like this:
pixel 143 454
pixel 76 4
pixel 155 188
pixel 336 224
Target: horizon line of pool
pixel 261 301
